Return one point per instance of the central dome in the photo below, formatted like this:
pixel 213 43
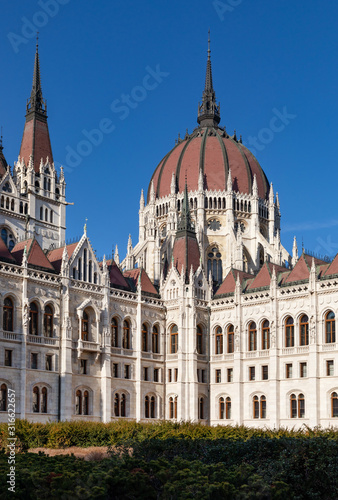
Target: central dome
pixel 213 152
pixel 209 151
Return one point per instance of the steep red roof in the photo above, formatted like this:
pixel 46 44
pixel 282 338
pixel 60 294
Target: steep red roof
pixel 5 253
pixel 229 284
pixel 332 268
pixel 186 251
pixel 300 272
pixel 146 284
pixel 35 254
pixel 116 277
pixel 55 256
pixel 263 278
pixel 36 142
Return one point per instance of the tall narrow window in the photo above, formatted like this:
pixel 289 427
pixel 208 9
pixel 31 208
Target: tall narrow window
pixel 265 335
pixel 117 405
pixel 255 407
pixel 85 264
pixel 152 407
pixel 144 338
pixel 154 340
pixel 293 406
pixel 301 406
pixel 334 404
pixel 199 340
pixel 114 333
pixel 221 407
pixel 252 336
pixel 173 339
pixel 201 408
pixel 85 327
pixel 228 408
pixel 79 269
pixel 85 403
pixel 90 271
pixel 171 407
pixel 41 213
pixel 219 341
pixel 123 405
pixel 289 332
pixel 46 214
pixel 215 265
pixel 48 322
pixel 36 400
pixel 8 315
pixel 330 328
pixel 44 400
pixel 3 397
pixel 146 407
pixel 230 339
pixel 78 403
pixel 126 335
pixel 304 330
pixel 263 407
pixel 33 319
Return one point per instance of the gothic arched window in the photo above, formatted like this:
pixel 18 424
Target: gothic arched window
pixel 144 338
pixel 265 335
pixel 33 319
pixel 330 328
pixel 44 400
pixel 199 340
pixel 215 265
pixel 154 338
pixel 173 339
pixel 252 336
pixel 114 332
pixel 334 404
pixel 48 322
pixel 230 339
pixel 304 330
pixel 85 327
pixel 289 332
pixel 126 335
pixel 219 341
pixel 36 400
pixel 8 315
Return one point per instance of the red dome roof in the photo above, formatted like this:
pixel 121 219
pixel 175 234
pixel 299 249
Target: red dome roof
pixel 214 152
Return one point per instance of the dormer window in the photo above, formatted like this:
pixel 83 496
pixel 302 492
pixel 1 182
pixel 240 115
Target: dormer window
pixel 7 188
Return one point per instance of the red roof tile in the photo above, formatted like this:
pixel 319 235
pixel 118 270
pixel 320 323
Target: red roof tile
pixel 116 276
pixel 332 268
pixel 229 284
pixel 55 256
pixel 300 272
pixel 186 250
pixel 146 284
pixel 35 254
pixel 36 141
pixel 263 278
pixel 4 252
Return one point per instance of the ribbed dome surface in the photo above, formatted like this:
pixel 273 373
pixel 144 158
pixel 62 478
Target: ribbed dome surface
pixel 212 151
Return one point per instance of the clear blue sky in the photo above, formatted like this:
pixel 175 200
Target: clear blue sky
pixel 266 56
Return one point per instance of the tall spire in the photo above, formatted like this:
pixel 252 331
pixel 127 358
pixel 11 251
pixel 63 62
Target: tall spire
pixel 209 110
pixel 184 224
pixel 35 139
pixel 36 103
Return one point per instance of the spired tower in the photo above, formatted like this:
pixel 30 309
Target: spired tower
pixel 233 208
pixel 32 194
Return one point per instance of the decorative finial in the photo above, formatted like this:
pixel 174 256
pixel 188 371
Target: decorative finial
pixel 37 40
pixel 85 227
pixel 1 147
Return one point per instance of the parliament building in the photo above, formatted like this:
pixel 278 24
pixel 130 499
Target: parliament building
pixel 207 318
